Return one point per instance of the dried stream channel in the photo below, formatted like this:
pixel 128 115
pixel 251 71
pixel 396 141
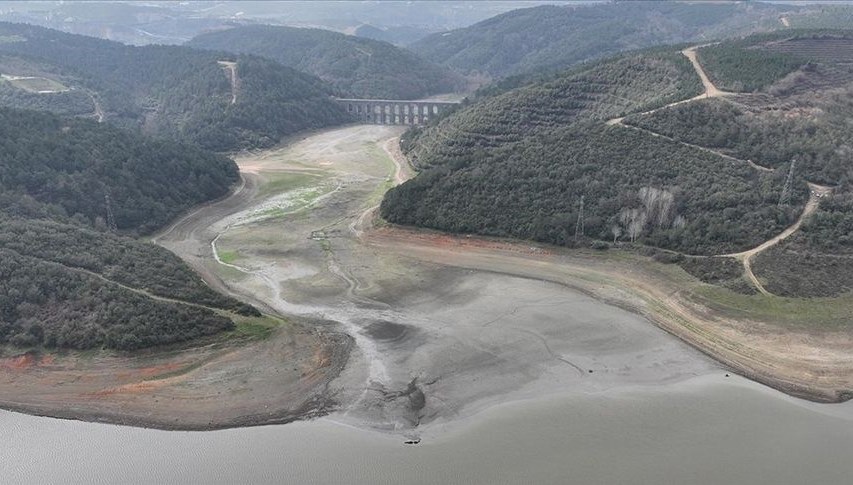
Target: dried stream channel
pixel 505 379
pixel 432 342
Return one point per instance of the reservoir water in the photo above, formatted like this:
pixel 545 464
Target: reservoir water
pixel 706 430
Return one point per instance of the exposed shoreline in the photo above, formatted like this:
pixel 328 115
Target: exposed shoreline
pixel 583 435
pixel 118 419
pixel 323 350
pixel 648 296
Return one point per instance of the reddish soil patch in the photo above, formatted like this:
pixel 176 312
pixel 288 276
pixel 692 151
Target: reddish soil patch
pixel 20 362
pixel 448 241
pixel 135 388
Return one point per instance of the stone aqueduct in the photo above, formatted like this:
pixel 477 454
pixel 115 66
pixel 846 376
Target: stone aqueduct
pixel 394 112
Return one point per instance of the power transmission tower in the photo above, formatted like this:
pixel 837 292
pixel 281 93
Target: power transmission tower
pixel 579 225
pixel 785 198
pixel 111 220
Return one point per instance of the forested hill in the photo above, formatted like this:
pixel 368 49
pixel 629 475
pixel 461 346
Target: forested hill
pixel 792 103
pixel 169 91
pixel 65 280
pixel 517 164
pixel 64 168
pixel 556 37
pixel 355 66
pixel 700 177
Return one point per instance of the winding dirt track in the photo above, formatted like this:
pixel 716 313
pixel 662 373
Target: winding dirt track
pixel 711 91
pixel 816 192
pixel 718 153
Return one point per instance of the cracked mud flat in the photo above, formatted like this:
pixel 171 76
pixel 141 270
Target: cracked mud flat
pixel 431 343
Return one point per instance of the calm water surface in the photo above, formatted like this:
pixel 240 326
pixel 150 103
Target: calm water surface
pixel 708 430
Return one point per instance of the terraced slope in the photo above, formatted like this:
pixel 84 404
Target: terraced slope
pixel 590 93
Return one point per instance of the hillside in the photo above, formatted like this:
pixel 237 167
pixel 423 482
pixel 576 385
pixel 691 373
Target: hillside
pixel 355 66
pixel 62 169
pixel 66 281
pixel 699 177
pixel 168 91
pixel 795 108
pixel 597 91
pixel 549 38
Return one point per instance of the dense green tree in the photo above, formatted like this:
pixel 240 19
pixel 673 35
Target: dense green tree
pixel 517 160
pixel 45 304
pixel 531 189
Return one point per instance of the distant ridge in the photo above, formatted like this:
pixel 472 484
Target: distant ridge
pixel 172 91
pixel 549 38
pixel 355 66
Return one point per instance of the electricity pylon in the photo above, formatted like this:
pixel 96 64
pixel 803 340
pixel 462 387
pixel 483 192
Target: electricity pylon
pixel 579 225
pixel 785 198
pixel 111 220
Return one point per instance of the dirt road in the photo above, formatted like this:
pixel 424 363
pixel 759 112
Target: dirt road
pixel 816 193
pixel 711 90
pixel 231 67
pixel 98 111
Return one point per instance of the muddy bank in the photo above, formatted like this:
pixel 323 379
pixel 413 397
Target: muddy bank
pixel 432 342
pixel 227 381
pixel 220 385
pixel 399 330
pixel 814 365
